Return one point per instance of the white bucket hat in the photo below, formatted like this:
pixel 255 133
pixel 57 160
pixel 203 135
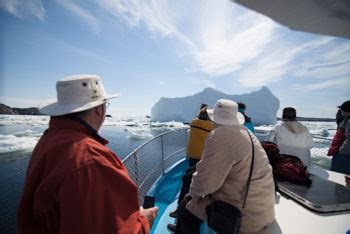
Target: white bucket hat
pixel 225 112
pixel 76 93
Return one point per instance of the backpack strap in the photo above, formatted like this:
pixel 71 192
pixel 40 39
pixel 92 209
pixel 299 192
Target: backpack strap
pixel 250 171
pixel 193 126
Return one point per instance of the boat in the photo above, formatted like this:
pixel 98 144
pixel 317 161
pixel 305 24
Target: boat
pixel 296 210
pixel 326 17
pixel 162 180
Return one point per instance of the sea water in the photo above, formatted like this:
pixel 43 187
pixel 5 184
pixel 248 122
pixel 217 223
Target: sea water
pixel 19 134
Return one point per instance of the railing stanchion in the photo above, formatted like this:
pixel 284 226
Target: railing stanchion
pixel 136 169
pixel 162 147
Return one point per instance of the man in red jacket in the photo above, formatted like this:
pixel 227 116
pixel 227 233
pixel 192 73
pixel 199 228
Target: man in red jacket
pixel 74 183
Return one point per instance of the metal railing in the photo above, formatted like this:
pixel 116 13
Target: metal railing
pixel 149 161
pixel 319 152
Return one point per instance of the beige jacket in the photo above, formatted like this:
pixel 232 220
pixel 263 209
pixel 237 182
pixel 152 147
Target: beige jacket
pixel 223 172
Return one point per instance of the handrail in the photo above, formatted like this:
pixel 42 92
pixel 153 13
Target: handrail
pixel 150 160
pixel 154 138
pixel 321 137
pixel 141 185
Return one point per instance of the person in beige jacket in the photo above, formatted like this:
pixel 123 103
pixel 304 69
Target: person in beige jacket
pixel 223 171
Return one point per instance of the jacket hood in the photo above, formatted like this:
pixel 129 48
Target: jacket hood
pixel 295 127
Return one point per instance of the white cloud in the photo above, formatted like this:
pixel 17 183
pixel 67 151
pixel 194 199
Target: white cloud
pixel 84 14
pixel 330 59
pixel 269 67
pixel 21 9
pixel 219 36
pixel 343 83
pixel 222 38
pixel 322 58
pixel 229 38
pixel 156 15
pixel 225 54
pixel 323 71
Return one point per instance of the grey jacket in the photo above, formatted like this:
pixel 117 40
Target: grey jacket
pixel 223 171
pixel 345 147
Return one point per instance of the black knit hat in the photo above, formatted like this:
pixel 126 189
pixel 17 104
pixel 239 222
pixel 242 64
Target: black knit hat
pixel 241 105
pixel 203 115
pixel 345 106
pixel 203 106
pixel 289 113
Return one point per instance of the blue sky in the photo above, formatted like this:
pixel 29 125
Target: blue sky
pixel 145 50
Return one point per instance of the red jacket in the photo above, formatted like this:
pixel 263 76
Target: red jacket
pixel 337 142
pixel 75 184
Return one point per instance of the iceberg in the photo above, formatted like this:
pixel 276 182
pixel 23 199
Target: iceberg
pixel 262 106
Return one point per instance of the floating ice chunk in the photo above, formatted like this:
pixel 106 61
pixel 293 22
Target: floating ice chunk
pixel 324 133
pixel 32 120
pixel 10 143
pixel 140 135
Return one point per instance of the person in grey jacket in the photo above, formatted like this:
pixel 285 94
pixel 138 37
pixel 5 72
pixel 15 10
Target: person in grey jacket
pixel 223 171
pixel 340 146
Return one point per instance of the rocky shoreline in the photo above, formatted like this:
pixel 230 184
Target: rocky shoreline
pixel 7 110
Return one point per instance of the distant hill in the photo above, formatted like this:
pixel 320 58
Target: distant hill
pixel 6 110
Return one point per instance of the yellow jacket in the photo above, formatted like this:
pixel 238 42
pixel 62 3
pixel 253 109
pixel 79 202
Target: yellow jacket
pixel 198 134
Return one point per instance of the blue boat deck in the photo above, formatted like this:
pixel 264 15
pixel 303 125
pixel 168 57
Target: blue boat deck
pixel 166 192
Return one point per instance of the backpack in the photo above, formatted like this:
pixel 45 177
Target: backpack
pixel 290 168
pixel 272 151
pixel 286 167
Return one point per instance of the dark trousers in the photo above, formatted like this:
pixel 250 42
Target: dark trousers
pixel 192 162
pixel 187 223
pixel 341 163
pixel 187 178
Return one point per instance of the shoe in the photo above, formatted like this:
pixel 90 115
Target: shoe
pixel 171 227
pixel 174 214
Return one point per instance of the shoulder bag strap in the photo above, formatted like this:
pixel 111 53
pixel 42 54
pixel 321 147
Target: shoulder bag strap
pixel 251 170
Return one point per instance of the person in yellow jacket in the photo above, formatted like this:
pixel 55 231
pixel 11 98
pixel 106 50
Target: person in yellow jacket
pixel 200 129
